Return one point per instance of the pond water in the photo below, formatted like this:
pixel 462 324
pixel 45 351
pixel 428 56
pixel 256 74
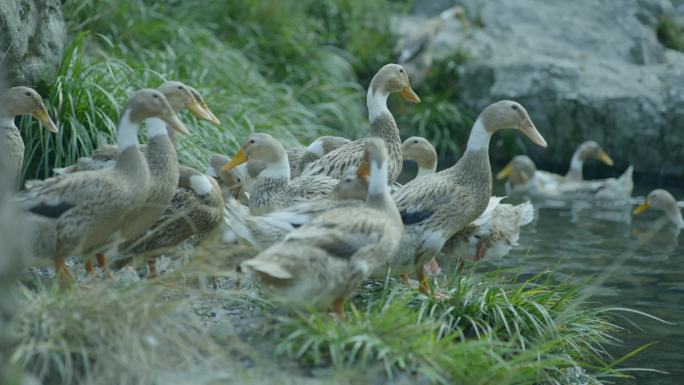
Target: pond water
pixel 634 262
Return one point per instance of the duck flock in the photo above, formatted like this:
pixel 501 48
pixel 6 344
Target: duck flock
pixel 320 220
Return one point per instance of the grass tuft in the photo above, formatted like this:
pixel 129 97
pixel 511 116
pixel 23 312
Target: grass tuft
pixel 670 33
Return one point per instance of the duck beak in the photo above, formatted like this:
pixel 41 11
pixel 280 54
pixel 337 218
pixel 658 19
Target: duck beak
pixel 172 120
pixel 237 160
pixel 528 128
pixel 505 172
pixel 603 157
pixel 363 171
pixel 408 95
pixel 42 115
pixel 198 111
pixel 641 208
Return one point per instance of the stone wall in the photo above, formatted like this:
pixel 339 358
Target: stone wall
pixel 585 69
pixel 32 40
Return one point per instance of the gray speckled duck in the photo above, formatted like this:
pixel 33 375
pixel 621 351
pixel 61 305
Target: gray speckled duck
pixel 77 214
pixel 435 207
pixel 273 190
pixel 321 263
pixel 338 164
pixel 20 101
pixel 196 209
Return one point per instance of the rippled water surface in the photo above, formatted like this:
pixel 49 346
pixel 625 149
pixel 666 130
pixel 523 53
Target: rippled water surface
pixel 635 262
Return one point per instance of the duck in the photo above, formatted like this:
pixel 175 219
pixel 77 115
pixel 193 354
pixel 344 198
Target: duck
pixel 231 182
pixel 273 189
pixel 339 163
pixel 77 214
pixel 321 263
pixel 162 161
pixel 298 157
pixel 435 207
pixel 180 96
pixel 660 199
pixel 417 48
pixel 196 209
pixel 523 178
pixel 20 101
pixel 261 231
pixel 492 234
pixel 421 151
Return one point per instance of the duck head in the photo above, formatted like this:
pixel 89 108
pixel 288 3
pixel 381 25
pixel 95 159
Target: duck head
pixel 326 144
pixel 149 103
pixel 393 78
pixel 421 151
pixel 509 114
pixel 660 199
pixel 262 148
pixel 24 101
pixel 199 99
pixel 591 149
pixel 181 97
pixel 351 187
pixel 234 179
pixel 518 171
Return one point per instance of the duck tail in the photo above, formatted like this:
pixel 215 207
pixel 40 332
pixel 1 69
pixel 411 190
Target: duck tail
pixel 525 213
pixel 235 216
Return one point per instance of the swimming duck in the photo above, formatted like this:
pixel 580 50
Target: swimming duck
pixel 416 49
pixel 321 263
pixel 493 233
pixel 437 206
pixel 522 177
pixel 273 189
pixel 196 209
pixel 76 214
pixel 662 200
pixel 14 102
pixel 337 164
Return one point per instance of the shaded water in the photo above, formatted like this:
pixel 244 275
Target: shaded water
pixel 635 262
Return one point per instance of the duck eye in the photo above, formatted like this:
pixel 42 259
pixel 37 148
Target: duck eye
pixel 415 141
pixel 180 87
pixel 252 141
pixel 154 96
pixel 239 180
pixel 28 94
pixel 401 70
pixel 514 107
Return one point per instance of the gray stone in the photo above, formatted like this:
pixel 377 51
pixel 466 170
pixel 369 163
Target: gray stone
pixel 585 69
pixel 32 40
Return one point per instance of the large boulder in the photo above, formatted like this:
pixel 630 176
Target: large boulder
pixel 585 69
pixel 32 40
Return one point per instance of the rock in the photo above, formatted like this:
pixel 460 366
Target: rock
pixel 32 40
pixel 579 76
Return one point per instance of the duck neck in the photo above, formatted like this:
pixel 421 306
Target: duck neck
pixel 378 191
pixel 473 169
pixel 7 120
pixel 127 134
pixel 675 216
pixel 376 101
pixel 479 138
pixel 426 167
pixel 279 169
pixel 576 165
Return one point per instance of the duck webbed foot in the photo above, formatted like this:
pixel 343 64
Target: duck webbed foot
pixel 102 264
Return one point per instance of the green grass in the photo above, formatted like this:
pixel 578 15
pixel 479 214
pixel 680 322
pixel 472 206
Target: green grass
pixel 670 33
pixel 492 330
